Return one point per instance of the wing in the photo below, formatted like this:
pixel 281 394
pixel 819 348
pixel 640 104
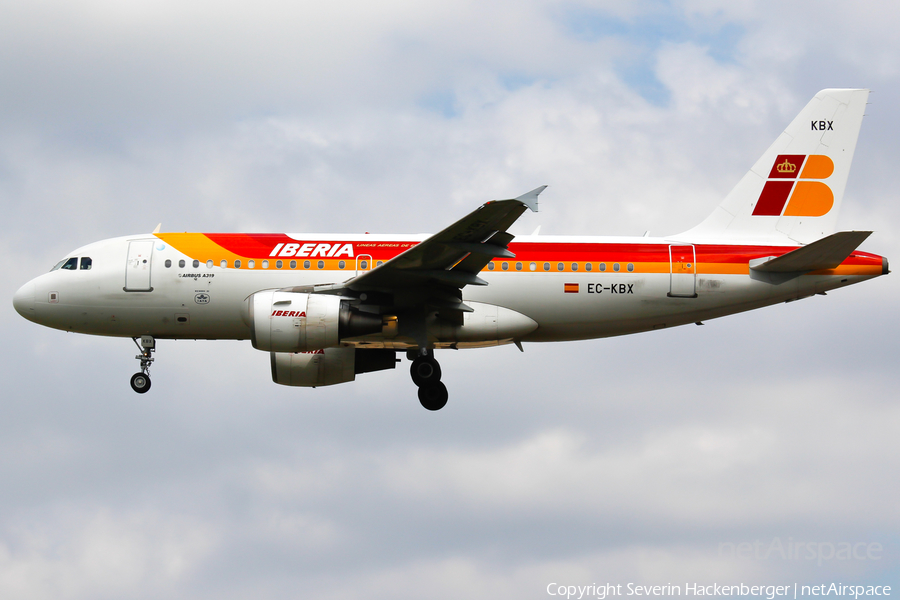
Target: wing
pixel 456 254
pixel 431 274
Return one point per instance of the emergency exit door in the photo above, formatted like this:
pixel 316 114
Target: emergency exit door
pixel 363 263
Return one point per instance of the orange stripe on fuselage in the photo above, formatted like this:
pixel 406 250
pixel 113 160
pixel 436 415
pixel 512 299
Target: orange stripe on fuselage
pixel 198 246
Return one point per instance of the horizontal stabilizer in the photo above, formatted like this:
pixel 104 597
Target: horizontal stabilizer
pixel 826 253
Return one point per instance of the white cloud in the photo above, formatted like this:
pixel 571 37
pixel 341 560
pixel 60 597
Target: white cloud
pixel 98 553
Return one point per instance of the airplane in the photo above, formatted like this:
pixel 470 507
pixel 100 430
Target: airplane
pixel 330 307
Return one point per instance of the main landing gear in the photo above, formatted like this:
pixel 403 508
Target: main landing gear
pixel 140 382
pixel 426 374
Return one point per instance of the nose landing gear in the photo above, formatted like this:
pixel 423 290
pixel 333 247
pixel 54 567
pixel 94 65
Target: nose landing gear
pixel 140 382
pixel 426 374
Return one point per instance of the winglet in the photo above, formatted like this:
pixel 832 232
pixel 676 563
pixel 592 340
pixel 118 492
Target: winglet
pixel 158 227
pixel 531 198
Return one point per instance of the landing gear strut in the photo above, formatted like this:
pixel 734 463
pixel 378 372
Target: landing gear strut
pixel 426 374
pixel 140 382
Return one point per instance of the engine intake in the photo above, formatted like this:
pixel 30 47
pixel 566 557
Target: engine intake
pixel 300 322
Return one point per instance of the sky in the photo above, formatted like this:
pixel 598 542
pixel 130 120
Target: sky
pixel 646 459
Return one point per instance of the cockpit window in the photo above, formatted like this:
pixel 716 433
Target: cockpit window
pixel 71 264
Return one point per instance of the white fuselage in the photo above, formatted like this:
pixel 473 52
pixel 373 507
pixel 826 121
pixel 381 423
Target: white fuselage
pixel 207 301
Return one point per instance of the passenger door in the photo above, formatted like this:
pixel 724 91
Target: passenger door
pixel 683 271
pixel 137 268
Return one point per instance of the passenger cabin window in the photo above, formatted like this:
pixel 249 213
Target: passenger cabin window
pixel 631 266
pixel 560 267
pixel 251 264
pixel 70 264
pixel 224 264
pixel 546 266
pixel 518 266
pixel 341 264
pixel 490 266
pixel 293 264
pixel 574 266
pixel 602 267
pixel 196 263
pixel 279 264
pixel 181 263
pixel 305 264
pixel 237 264
pixel 168 263
pixel 265 264
pixel 86 263
pixel 587 266
pixel 533 266
pixel 321 264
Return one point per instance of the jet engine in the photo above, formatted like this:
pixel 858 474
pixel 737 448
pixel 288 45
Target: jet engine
pixel 299 322
pixel 328 366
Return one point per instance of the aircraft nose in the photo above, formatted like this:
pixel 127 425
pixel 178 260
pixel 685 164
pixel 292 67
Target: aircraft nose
pixel 23 301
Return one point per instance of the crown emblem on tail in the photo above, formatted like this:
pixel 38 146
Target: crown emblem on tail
pixel 786 167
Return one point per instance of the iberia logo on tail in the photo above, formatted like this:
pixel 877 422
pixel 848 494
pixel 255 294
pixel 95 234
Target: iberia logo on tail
pixel 787 194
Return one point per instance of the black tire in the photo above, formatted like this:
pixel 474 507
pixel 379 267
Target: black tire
pixel 140 382
pixel 425 370
pixel 433 396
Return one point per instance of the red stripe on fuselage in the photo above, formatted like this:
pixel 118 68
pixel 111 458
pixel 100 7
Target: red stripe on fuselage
pixel 260 246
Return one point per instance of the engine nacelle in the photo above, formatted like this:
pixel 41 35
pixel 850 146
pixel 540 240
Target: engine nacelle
pixel 299 322
pixel 328 366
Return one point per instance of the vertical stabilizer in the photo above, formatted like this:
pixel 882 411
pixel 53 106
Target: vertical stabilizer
pixel 793 193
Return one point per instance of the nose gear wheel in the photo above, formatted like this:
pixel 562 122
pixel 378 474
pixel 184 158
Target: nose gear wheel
pixel 140 382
